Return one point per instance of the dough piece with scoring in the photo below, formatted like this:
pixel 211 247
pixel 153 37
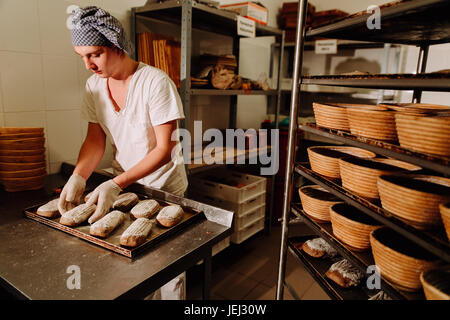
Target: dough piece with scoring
pixel 145 209
pixel 104 226
pixel 170 215
pixel 319 248
pixel 50 209
pixel 77 215
pixel 125 201
pixel 136 233
pixel 344 274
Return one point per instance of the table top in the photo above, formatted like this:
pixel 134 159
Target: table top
pixel 38 262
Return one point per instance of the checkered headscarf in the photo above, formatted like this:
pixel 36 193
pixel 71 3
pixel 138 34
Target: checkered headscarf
pixel 93 26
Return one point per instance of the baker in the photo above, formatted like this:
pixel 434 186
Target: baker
pixel 137 108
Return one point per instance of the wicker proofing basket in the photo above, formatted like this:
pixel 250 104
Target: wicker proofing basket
pixel 416 108
pixel 414 198
pixel 23 173
pixel 23 144
pixel 436 283
pixel 21 184
pixel 372 123
pixel 316 202
pixel 352 226
pixel 334 115
pixel 20 153
pixel 427 134
pixel 400 260
pixel 360 175
pixel 444 208
pixel 17 130
pixel 325 160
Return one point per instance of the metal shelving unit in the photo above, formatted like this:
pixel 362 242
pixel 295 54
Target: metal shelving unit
pixel 420 22
pixel 191 14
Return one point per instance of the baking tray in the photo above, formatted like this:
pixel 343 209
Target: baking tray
pixel 112 242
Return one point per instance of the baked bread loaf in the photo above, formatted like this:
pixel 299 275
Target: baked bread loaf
pixel 319 248
pixel 145 209
pixel 170 215
pixel 344 274
pixel 136 233
pixel 50 209
pixel 104 226
pixel 77 215
pixel 126 201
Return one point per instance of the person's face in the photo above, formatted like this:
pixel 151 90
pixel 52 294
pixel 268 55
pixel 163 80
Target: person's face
pixel 99 59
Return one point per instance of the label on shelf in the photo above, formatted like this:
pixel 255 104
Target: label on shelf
pixel 246 27
pixel 325 46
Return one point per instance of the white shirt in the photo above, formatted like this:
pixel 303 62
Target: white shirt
pixel 152 99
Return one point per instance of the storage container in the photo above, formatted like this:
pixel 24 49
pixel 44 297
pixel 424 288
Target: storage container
pixel 228 185
pixel 245 233
pixel 248 218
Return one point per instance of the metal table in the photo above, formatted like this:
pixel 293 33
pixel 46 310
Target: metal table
pixel 36 260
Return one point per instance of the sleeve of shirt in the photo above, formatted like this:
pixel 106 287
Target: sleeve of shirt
pixel 165 102
pixel 88 106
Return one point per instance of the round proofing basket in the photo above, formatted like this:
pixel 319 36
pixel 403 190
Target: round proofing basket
pixel 316 202
pixel 414 198
pixel 376 124
pixel 416 108
pixel 21 184
pixel 23 159
pixel 331 116
pixel 444 209
pixel 325 160
pixel 427 134
pixel 360 175
pixel 23 173
pixel 352 226
pixel 16 130
pixel 23 144
pixel 21 166
pixel 436 283
pixel 15 153
pixel 400 260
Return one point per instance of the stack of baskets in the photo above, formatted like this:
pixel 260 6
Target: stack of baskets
pixel 22 158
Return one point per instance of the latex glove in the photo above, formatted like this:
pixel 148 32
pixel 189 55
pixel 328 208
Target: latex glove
pixel 104 195
pixel 71 193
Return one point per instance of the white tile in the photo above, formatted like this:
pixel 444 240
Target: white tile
pixel 25 119
pixel 55 167
pixel 21 81
pixel 2 120
pixel 55 35
pixel 1 96
pixel 64 131
pixel 83 74
pixel 61 82
pixel 19 23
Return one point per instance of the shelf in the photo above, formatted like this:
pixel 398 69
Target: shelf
pixel 435 163
pixel 361 260
pixel 194 168
pixel 203 17
pixel 318 267
pixel 424 82
pixel 341 44
pixel 217 92
pixel 434 241
pixel 418 22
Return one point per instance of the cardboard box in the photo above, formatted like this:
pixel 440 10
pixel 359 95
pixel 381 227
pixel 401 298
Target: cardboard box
pixel 249 10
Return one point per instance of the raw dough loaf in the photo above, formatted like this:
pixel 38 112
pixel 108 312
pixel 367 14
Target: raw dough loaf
pixel 50 209
pixel 86 197
pixel 125 201
pixel 170 215
pixel 136 233
pixel 319 248
pixel 77 215
pixel 104 226
pixel 145 209
pixel 344 274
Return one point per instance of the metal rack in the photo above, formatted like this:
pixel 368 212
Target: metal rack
pixel 191 14
pixel 420 22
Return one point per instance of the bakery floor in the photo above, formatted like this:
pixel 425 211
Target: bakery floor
pixel 249 271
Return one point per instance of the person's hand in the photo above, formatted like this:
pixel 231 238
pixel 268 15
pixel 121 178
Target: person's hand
pixel 104 195
pixel 71 193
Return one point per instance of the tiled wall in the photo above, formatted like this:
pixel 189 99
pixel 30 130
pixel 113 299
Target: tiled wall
pixel 41 78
